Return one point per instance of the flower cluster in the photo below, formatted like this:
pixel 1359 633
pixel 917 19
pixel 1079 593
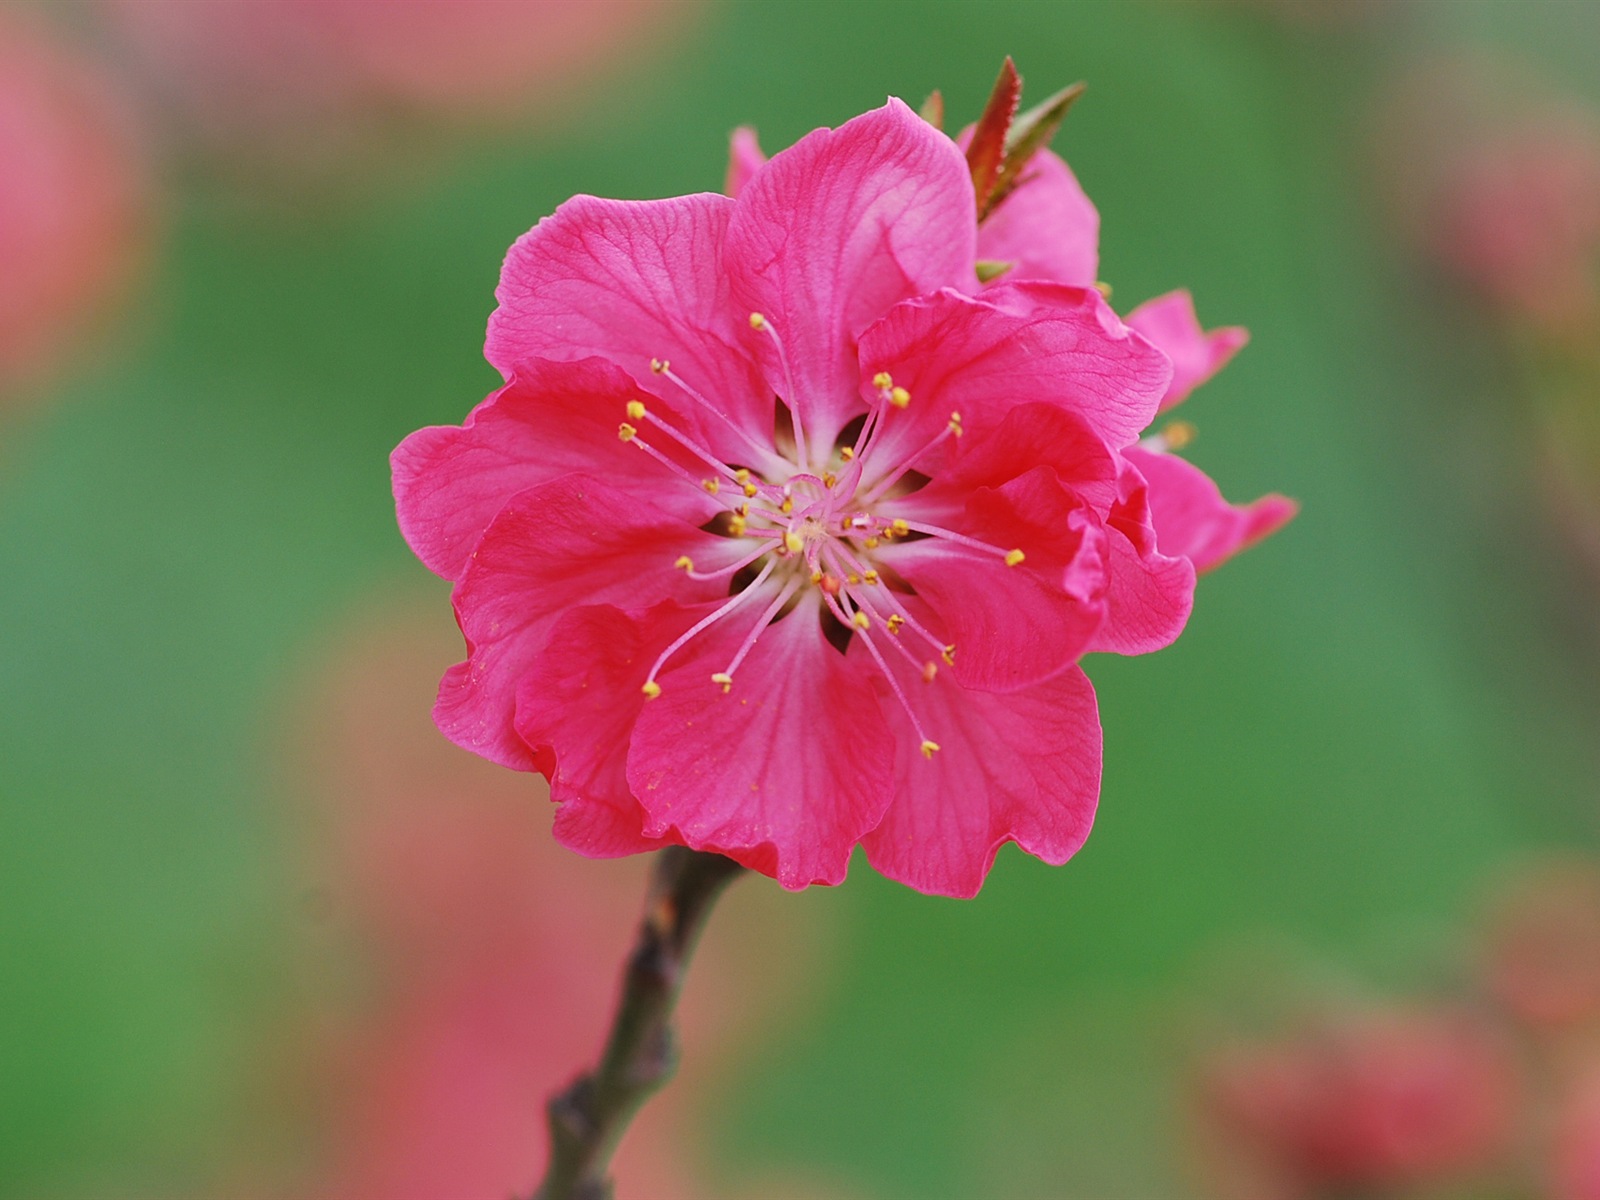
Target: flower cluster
pixel 1490 1087
pixel 800 505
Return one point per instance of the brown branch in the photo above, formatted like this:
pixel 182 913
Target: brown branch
pixel 588 1119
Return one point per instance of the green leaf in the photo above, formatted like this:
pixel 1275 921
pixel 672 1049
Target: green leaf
pixel 987 152
pixel 991 269
pixel 1029 133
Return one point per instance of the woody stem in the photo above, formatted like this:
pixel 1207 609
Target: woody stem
pixel 588 1119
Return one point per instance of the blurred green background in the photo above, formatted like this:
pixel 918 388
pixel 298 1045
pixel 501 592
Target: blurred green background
pixel 1368 716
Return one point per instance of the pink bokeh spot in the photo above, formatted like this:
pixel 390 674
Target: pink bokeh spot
pixel 783 511
pixel 74 208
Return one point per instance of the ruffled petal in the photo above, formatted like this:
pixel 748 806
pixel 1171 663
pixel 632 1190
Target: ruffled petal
pixel 745 158
pixel 982 356
pixel 1047 228
pixel 1149 595
pixel 784 772
pixel 1012 625
pixel 632 281
pixel 552 419
pixel 1029 435
pixel 1193 520
pixel 580 700
pixel 836 229
pixel 1018 767
pixel 1170 322
pixel 574 541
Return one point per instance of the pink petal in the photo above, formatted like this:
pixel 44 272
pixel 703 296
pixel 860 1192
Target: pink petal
pixel 632 281
pixel 1030 435
pixel 1170 322
pixel 836 229
pixel 1193 520
pixel 551 420
pixel 745 158
pixel 581 699
pixel 983 356
pixel 1047 227
pixel 577 540
pixel 1020 766
pixel 1149 595
pixel 785 772
pixel 1012 626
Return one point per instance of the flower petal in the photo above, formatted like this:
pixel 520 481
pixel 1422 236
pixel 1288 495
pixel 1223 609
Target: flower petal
pixel 1047 228
pixel 836 229
pixel 745 158
pixel 1030 435
pixel 1170 322
pixel 1149 595
pixel 1193 520
pixel 632 281
pixel 982 356
pixel 551 420
pixel 580 700
pixel 1013 625
pixel 576 540
pixel 783 772
pixel 1020 766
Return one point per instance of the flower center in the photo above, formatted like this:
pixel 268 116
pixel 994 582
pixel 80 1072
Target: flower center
pixel 809 530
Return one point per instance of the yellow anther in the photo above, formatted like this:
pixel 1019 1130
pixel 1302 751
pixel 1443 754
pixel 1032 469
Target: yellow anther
pixel 870 576
pixel 787 505
pixel 711 485
pixel 742 474
pixel 750 489
pixel 743 510
pixel 883 381
pixel 816 577
pixel 860 620
pixel 955 424
pixel 651 689
pixel 929 671
pixel 899 397
pixel 635 410
pixel 847 453
pixel 928 748
pixel 626 432
pixel 684 563
pixel 793 542
pixel 898 527
pixel 852 578
pixel 894 622
pixel 871 543
pixel 829 479
pixel 949 655
pixel 724 679
pixel 660 365
pixel 1103 288
pixel 1013 557
pixel 737 525
pixel 757 321
pixel 1178 434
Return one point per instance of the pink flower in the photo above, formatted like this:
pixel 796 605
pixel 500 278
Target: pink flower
pixel 1541 951
pixel 1049 229
pixel 783 537
pixel 1574 1170
pixel 73 203
pixel 1385 1099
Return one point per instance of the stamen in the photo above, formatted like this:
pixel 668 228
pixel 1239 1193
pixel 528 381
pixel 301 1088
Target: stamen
pixel 651 689
pixel 764 453
pixel 962 539
pixel 1174 436
pixel 929 671
pixel 725 680
pixel 762 622
pixel 732 568
pixel 1013 557
pixel 894 477
pixel 636 410
pixel 894 684
pixel 762 325
pixel 699 452
pixel 687 635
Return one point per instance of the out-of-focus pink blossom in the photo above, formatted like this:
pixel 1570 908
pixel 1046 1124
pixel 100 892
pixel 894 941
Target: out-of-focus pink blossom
pixel 486 958
pixel 1574 1168
pixel 314 80
pixel 1541 949
pixel 74 213
pixel 1380 1099
pixel 1499 185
